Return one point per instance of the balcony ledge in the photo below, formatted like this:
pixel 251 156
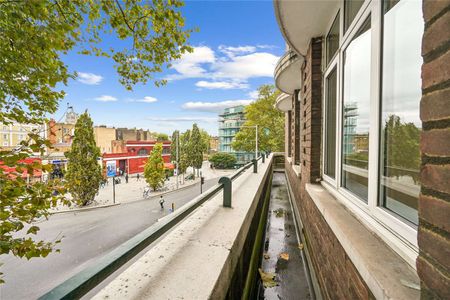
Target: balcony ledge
pixel 197 258
pixel 299 21
pixel 392 279
pixel 284 102
pixel 288 72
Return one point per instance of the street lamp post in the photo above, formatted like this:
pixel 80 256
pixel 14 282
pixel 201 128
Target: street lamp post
pixel 176 162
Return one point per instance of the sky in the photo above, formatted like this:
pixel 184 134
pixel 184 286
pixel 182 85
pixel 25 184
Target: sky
pixel 235 51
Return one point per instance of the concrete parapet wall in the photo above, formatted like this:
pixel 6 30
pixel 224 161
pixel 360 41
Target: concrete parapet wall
pixel 197 259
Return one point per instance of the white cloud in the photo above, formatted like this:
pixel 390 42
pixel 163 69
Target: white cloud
pixel 190 64
pixel 184 119
pixel 147 99
pixel 253 94
pixel 89 78
pixel 236 65
pixel 214 106
pixel 224 85
pixel 259 64
pixel 106 98
pixel 232 51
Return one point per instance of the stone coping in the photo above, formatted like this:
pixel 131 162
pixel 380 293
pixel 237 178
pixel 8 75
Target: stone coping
pixel 196 260
pixel 386 274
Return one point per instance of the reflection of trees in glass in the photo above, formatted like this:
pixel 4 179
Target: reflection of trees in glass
pixel 401 148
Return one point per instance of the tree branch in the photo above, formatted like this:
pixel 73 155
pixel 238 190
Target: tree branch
pixel 124 17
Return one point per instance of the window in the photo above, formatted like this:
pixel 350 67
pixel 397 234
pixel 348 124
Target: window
pixel 355 113
pixel 330 124
pixel 5 136
pixel 351 8
pixel 142 151
pixel 400 123
pixel 371 125
pixel 332 40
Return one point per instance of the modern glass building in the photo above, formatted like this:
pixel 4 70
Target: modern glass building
pixel 230 121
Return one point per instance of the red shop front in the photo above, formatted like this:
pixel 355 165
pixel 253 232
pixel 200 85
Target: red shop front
pixel 133 161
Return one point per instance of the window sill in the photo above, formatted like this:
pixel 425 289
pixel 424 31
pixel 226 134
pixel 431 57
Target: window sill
pixel 394 278
pixel 295 168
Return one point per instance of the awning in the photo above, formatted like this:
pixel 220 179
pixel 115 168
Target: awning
pixel 169 166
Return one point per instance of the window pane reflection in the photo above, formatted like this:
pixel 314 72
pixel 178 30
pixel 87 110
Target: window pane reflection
pixel 400 122
pixel 351 8
pixel 330 125
pixel 333 39
pixel 355 142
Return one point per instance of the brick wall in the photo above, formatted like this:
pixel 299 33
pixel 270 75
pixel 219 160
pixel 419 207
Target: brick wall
pixel 311 111
pixel 433 263
pixel 337 276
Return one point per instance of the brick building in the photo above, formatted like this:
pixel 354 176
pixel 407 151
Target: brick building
pixel 104 137
pixel 366 89
pixel 134 156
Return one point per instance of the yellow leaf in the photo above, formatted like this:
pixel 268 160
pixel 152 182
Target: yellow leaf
pixel 267 278
pixel 284 256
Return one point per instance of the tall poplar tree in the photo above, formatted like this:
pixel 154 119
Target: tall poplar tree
pixel 184 152
pixel 173 148
pixel 83 170
pixel 196 148
pixel 154 168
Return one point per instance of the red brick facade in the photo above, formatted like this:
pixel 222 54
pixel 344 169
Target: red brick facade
pixel 337 276
pixel 433 263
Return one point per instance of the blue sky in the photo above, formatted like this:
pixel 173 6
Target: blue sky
pixel 235 51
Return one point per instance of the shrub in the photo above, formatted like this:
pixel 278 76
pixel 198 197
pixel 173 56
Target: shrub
pixel 223 160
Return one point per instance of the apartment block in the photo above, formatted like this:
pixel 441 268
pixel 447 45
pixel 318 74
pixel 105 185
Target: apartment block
pixel 230 122
pixel 365 94
pixel 12 134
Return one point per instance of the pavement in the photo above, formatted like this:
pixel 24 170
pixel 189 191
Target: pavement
pixel 134 189
pixel 87 235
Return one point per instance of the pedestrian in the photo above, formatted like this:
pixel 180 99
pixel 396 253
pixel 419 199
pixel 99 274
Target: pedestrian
pixel 137 177
pixel 126 178
pixel 161 202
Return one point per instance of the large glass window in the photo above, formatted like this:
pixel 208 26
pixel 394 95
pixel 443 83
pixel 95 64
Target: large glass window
pixel 356 102
pixel 351 8
pixel 330 124
pixel 400 122
pixel 333 39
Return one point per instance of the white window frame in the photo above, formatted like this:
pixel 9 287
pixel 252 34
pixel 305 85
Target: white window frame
pixel 395 231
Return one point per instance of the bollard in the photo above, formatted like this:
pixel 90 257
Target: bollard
pixel 255 166
pixel 226 181
pixel 263 158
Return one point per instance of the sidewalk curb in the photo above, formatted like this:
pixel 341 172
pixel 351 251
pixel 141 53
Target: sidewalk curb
pixel 83 209
pixel 181 188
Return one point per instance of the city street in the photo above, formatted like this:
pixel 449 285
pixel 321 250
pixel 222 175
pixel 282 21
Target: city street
pixel 87 236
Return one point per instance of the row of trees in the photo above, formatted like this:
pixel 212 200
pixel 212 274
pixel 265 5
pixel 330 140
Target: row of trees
pixel 34 35
pixel 192 144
